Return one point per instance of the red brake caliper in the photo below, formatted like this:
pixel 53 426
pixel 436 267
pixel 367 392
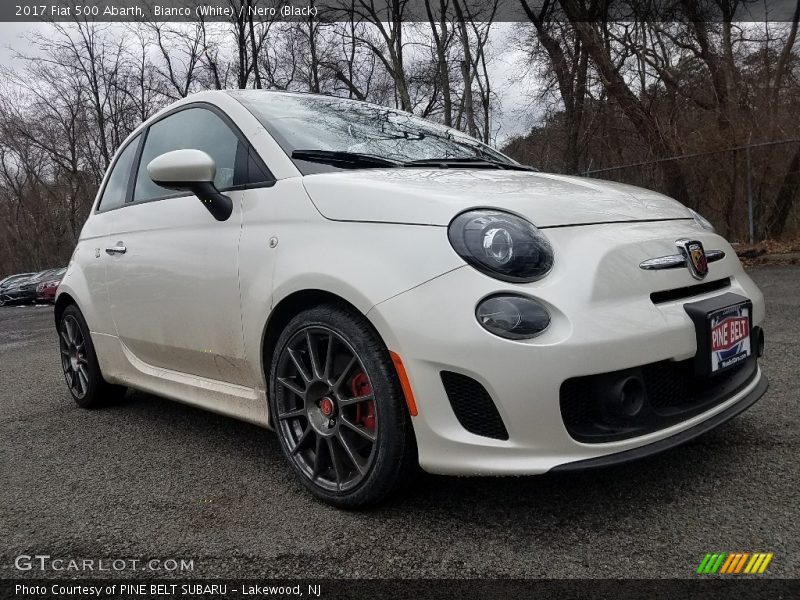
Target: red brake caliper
pixel 365 411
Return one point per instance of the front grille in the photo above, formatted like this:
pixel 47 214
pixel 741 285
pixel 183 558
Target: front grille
pixel 473 406
pixel 689 291
pixel 673 393
pixel 672 386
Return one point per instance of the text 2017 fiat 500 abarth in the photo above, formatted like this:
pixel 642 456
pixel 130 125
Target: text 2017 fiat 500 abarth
pixel 385 293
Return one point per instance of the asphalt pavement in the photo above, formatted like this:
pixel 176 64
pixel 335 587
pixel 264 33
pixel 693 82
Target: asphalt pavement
pixel 148 478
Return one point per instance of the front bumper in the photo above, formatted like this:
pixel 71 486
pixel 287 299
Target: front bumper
pixel 603 320
pixel 684 436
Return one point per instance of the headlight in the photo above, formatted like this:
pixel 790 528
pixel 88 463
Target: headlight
pixel 511 316
pixel 702 221
pixel 502 245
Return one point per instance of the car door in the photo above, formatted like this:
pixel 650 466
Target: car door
pixel 172 270
pixel 89 257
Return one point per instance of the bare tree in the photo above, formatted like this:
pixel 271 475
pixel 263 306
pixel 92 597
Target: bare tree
pixel 387 45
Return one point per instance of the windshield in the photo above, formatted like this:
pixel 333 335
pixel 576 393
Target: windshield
pixel 310 122
pixel 42 275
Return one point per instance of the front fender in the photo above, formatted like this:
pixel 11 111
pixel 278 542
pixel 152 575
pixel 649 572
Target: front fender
pixel 362 263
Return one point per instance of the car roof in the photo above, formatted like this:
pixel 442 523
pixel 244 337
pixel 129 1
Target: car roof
pixel 234 93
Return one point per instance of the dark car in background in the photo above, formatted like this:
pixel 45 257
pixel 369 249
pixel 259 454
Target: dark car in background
pixel 12 281
pixel 46 290
pixel 24 290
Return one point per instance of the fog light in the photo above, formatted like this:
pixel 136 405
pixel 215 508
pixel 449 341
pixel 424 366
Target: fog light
pixel 620 394
pixel 512 317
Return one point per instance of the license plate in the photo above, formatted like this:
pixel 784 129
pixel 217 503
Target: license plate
pixel 729 331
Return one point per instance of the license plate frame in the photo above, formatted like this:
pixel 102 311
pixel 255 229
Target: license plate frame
pixel 718 329
pixel 731 343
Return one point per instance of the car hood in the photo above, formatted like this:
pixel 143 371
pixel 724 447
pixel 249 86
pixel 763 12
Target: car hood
pixel 435 196
pixel 11 284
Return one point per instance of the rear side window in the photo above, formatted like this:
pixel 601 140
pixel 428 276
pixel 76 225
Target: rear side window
pixel 117 185
pixel 195 128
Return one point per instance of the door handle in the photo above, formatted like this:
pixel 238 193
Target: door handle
pixel 118 249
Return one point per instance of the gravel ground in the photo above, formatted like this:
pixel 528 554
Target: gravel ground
pixel 148 478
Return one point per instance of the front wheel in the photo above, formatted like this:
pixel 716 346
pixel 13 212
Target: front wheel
pixel 338 408
pixel 79 362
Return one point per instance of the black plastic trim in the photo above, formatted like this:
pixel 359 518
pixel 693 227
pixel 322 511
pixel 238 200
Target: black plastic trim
pixel 626 456
pixel 219 205
pixel 473 406
pixel 689 291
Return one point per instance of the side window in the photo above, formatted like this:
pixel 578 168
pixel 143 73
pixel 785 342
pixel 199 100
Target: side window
pixel 255 172
pixel 117 185
pixel 195 128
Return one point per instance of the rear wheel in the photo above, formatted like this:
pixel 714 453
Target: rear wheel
pixel 79 362
pixel 338 408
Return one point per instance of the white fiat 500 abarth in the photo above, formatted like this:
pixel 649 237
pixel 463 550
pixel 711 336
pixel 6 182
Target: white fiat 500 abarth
pixel 387 293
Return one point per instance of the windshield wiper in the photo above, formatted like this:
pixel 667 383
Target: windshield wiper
pixel 468 161
pixel 356 160
pixel 345 160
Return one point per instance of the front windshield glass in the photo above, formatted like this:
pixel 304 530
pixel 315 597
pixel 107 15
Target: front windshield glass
pixel 42 275
pixel 309 122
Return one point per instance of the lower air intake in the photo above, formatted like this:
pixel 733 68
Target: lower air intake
pixel 473 406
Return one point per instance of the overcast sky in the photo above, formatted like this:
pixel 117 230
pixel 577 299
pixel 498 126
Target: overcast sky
pixel 11 34
pixel 517 113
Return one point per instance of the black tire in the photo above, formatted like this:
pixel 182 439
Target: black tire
pixel 332 404
pixel 79 362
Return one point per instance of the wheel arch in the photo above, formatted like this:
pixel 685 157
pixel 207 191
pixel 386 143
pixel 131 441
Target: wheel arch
pixel 287 308
pixel 63 300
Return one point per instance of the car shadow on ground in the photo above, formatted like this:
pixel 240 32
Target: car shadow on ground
pixel 639 487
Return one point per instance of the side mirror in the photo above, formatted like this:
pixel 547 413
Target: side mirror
pixel 193 171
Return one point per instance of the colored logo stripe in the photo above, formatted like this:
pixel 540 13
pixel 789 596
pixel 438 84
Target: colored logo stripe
pixel 711 562
pixel 737 562
pixel 727 564
pixel 734 563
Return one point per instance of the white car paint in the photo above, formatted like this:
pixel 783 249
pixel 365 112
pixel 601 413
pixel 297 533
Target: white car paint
pixel 434 197
pixel 183 312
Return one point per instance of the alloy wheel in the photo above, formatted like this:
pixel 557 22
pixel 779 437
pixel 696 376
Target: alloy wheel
pixel 326 411
pixel 73 356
